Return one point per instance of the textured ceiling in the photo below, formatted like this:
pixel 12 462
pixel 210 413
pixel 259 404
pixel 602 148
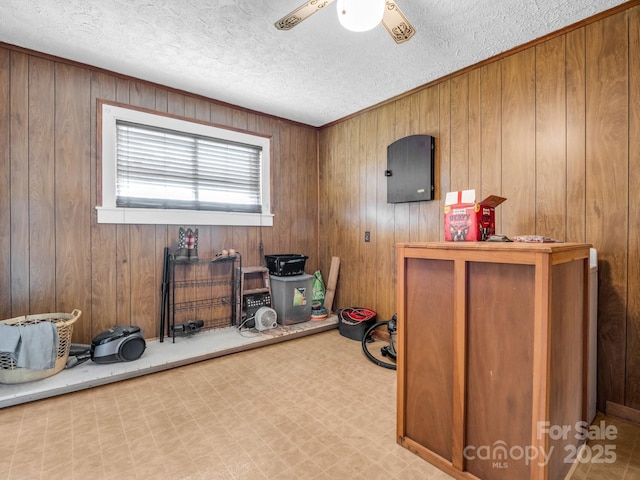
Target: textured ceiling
pixel 316 73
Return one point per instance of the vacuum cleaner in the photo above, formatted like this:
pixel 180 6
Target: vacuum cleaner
pixel 118 344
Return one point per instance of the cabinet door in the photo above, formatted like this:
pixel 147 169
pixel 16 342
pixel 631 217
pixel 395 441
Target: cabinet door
pixel 429 354
pixel 567 361
pixel 500 319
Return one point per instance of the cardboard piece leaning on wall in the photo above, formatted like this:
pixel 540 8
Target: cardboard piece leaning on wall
pixel 331 284
pixel 466 220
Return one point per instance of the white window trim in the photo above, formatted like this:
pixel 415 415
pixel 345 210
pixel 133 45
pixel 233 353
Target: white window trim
pixel 109 213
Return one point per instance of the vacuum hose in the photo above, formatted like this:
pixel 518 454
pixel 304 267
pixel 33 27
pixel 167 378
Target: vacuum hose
pixel 387 350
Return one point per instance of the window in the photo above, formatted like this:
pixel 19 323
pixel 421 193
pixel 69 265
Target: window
pixel 160 169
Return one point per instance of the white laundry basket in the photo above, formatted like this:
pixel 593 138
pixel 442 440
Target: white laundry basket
pixel 10 373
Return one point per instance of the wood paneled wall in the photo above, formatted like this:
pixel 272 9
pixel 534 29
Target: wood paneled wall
pixel 55 257
pixel 554 128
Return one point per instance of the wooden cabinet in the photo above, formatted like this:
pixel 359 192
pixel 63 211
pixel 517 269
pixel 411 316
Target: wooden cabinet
pixel 492 345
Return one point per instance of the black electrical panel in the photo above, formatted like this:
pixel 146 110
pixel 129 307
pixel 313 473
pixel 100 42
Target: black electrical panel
pixel 410 169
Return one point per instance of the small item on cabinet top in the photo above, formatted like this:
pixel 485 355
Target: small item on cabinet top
pixel 498 238
pixel 466 220
pixel 535 239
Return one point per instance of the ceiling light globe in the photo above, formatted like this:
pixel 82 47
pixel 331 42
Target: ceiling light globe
pixel 360 15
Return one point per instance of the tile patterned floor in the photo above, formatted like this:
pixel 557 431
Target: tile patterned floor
pixel 624 450
pixel 311 408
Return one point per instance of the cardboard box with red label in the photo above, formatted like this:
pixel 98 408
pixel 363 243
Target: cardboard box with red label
pixel 466 220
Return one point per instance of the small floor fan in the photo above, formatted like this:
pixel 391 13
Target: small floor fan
pixel 266 318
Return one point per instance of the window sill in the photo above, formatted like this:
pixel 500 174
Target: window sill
pixel 181 217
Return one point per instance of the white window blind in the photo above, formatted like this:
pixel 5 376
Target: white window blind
pixel 166 169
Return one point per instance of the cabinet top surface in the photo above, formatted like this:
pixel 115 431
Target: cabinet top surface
pixel 496 246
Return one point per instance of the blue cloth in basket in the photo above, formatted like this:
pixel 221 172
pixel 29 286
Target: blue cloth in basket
pixel 9 340
pixel 37 348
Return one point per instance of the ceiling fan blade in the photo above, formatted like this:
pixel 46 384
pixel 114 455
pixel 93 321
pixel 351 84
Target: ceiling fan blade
pixel 397 24
pixel 301 13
